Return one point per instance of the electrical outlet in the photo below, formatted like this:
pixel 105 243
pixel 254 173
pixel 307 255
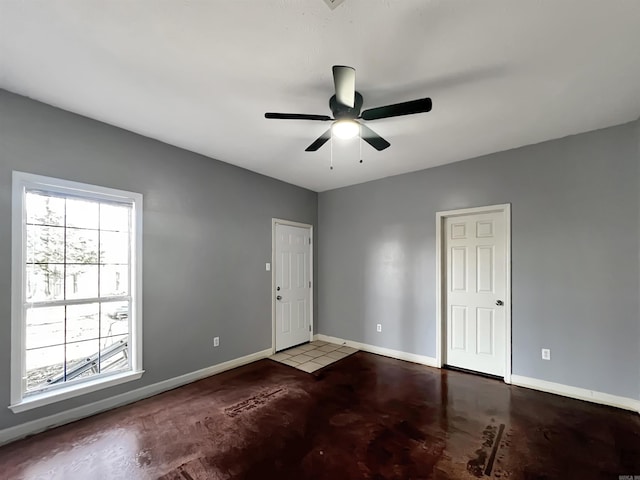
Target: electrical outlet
pixel 216 341
pixel 379 327
pixel 267 267
pixel 546 354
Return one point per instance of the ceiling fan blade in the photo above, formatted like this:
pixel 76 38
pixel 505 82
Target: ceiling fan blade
pixel 297 116
pixel 372 138
pixel 398 109
pixel 321 140
pixel 344 79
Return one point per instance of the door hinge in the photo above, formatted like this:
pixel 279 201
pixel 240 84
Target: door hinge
pixel 309 241
pixel 309 327
pixel 309 283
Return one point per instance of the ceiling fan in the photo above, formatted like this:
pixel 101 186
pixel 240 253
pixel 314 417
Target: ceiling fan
pixel 347 118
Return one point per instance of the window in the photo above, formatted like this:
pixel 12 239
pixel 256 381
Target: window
pixel 76 289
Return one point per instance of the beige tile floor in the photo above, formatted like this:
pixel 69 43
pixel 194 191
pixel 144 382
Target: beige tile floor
pixel 309 357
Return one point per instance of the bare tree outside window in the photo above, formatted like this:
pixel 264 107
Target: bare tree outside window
pixel 49 244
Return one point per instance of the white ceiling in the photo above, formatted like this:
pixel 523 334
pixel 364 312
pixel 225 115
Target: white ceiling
pixel 201 74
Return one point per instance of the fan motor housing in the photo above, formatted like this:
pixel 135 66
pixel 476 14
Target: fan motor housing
pixel 344 111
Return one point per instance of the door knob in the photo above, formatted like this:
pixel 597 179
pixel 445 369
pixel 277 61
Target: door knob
pixel 279 297
pixel 499 303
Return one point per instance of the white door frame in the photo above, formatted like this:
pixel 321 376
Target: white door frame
pixel 279 221
pixel 441 289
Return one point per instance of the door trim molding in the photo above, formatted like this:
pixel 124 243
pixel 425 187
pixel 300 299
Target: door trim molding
pixel 440 291
pixel 290 223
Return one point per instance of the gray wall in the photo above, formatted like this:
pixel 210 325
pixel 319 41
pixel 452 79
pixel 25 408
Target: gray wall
pixel 575 244
pixel 638 160
pixel 207 236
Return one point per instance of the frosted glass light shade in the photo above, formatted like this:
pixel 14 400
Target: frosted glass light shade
pixel 345 129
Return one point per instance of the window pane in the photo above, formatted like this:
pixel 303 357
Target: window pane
pixel 45 327
pixel 114 247
pixel 82 213
pixel 44 210
pixel 115 319
pixel 44 282
pixel 45 244
pixel 114 354
pixel 114 280
pixel 81 281
pixel 82 245
pixel 82 322
pixel 114 217
pixel 43 364
pixel 82 359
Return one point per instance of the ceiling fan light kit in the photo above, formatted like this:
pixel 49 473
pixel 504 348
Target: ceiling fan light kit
pixel 346 107
pixel 345 128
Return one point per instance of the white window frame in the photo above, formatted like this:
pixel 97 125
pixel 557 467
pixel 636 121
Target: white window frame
pixel 26 181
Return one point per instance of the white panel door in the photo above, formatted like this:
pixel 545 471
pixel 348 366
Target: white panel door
pixel 475 292
pixel 293 286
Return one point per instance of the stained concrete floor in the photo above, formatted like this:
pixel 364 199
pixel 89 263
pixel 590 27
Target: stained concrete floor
pixel 365 416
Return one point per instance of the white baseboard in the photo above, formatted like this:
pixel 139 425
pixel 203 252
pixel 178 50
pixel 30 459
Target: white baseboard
pixel 576 392
pixel 386 352
pixel 518 380
pixel 19 431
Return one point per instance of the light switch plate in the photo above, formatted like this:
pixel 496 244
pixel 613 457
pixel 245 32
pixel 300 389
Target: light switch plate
pixel 267 267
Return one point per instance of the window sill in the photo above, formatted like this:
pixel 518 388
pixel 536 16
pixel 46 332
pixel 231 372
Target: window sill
pixel 46 398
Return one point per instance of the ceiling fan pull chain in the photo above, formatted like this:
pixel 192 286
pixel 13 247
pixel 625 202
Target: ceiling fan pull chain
pixel 331 161
pixel 360 140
